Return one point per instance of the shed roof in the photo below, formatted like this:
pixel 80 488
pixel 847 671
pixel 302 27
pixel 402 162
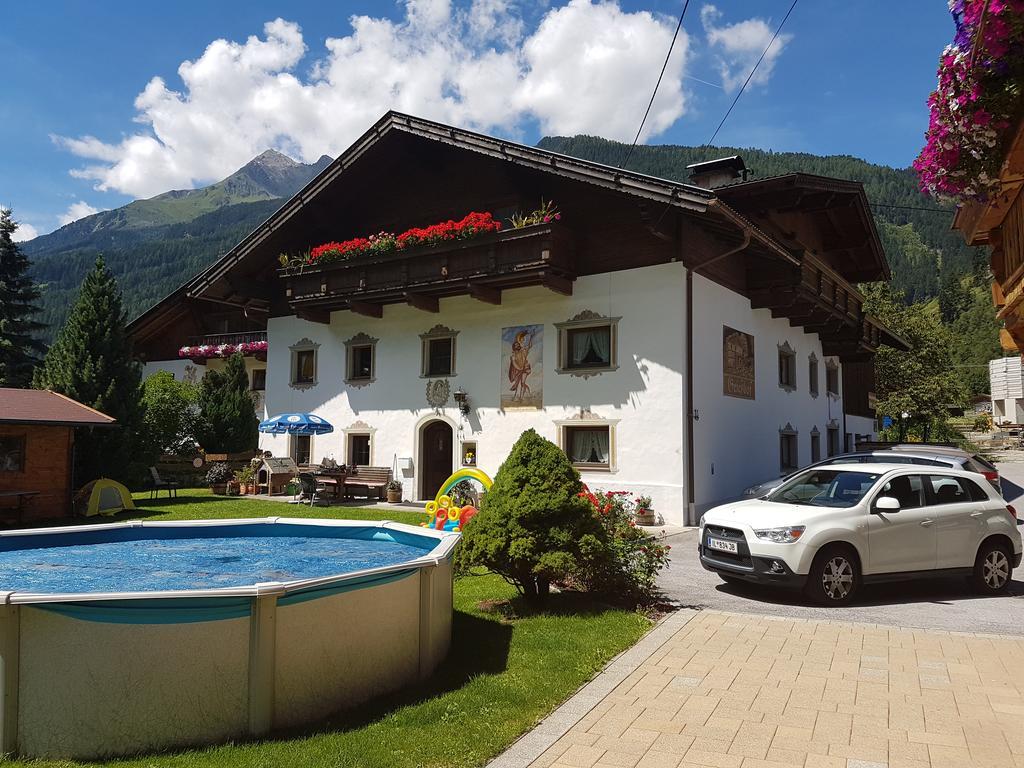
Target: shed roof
pixel 41 406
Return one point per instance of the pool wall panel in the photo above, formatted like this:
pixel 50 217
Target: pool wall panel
pixel 93 689
pixel 339 651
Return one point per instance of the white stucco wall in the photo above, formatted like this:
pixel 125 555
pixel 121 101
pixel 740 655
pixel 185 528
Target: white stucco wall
pixel 736 441
pixel 643 398
pixel 184 369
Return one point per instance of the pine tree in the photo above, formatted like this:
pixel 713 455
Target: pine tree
pixel 227 421
pixel 91 361
pixel 20 349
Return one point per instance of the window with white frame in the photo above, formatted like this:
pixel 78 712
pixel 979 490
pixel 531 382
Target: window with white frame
pixel 259 379
pixel 304 363
pixel 789 458
pixel 812 374
pixel 587 344
pixel 589 441
pixel 787 367
pixel 358 452
pixel 360 360
pixel 301 449
pixel 438 356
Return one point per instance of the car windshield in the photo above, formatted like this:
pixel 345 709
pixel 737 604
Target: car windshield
pixel 825 488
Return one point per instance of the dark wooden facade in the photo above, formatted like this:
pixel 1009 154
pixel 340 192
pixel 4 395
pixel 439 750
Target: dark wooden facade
pixel 47 469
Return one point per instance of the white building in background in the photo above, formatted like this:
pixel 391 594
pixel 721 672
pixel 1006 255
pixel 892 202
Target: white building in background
pixel 676 341
pixel 1006 380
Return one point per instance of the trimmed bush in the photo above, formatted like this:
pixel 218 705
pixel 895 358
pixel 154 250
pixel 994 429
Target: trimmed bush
pixel 533 526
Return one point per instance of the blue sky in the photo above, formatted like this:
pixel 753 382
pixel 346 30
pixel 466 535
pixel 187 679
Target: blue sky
pixel 849 78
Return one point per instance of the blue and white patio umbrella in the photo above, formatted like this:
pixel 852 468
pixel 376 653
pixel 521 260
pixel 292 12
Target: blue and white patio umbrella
pixel 296 424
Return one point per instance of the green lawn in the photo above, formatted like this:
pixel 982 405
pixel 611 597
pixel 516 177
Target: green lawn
pixel 508 667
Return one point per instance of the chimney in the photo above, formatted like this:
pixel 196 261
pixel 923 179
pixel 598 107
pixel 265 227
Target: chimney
pixel 718 173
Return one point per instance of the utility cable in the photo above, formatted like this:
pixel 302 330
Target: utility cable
pixel 763 54
pixel 656 85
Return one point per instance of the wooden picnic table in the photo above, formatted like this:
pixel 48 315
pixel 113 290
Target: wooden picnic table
pixel 23 498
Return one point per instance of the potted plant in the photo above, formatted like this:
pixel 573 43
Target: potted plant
pixel 245 478
pixel 394 491
pixel 643 512
pixel 218 477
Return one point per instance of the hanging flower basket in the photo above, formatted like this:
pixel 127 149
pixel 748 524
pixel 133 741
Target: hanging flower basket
pixel 209 351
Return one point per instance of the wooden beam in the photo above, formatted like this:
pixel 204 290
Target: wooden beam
pixel 253 289
pixel 556 283
pixel 484 293
pixel 367 309
pixel 315 316
pixel 420 301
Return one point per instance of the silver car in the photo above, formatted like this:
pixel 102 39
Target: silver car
pixel 904 453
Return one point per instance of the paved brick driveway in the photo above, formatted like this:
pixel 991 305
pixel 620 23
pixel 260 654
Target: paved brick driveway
pixel 749 691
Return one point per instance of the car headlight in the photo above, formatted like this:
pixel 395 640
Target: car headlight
pixel 700 523
pixel 781 535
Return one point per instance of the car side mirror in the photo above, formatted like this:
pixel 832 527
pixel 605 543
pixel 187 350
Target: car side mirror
pixel 887 504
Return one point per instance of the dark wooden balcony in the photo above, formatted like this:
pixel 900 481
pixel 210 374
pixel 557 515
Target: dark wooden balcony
pixel 814 298
pixel 482 267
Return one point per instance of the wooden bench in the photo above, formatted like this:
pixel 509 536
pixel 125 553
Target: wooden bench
pixel 367 479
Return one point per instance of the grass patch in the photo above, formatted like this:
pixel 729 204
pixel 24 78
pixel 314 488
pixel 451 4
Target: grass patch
pixel 509 666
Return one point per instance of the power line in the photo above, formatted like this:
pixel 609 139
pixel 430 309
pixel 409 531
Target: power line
pixel 763 53
pixel 656 85
pixel 912 208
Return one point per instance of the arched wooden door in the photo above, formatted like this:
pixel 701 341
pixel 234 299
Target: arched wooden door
pixel 435 457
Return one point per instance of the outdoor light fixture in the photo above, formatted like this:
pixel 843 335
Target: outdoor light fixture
pixel 462 399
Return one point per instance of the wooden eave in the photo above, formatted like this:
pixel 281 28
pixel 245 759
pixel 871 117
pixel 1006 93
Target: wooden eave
pixel 839 208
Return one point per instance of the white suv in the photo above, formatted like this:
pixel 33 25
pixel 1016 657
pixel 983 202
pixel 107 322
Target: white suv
pixel 830 529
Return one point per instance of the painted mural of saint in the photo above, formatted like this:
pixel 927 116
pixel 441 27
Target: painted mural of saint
pixel 519 367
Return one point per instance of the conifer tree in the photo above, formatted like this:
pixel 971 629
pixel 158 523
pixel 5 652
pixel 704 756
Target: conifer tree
pixel 91 361
pixel 20 349
pixel 227 421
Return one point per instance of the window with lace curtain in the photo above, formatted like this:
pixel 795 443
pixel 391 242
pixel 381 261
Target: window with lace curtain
pixel 589 446
pixel 587 344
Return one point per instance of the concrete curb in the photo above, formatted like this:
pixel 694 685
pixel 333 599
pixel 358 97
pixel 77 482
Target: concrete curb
pixel 534 742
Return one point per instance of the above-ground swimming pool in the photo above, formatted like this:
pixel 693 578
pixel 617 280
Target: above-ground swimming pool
pixel 140 636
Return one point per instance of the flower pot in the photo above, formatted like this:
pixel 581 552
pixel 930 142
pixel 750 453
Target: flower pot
pixel 244 489
pixel 394 496
pixel 646 517
pixel 220 489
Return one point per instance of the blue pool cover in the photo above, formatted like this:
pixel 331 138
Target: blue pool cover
pixel 150 559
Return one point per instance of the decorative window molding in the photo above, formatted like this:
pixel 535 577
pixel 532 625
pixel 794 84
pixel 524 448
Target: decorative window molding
pixel 588 344
pixel 355 373
pixel 586 431
pixel 359 429
pixel 303 373
pixel 433 352
pixel 789 456
pixel 832 379
pixel 787 367
pixel 812 374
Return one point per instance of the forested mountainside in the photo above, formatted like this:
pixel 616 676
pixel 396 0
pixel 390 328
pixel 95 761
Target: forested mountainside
pixel 918 254
pixel 153 246
pixel 943 281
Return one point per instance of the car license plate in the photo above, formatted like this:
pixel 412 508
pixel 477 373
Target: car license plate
pixel 723 546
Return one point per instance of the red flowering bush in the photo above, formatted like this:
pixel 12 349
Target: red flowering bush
pixel 384 243
pixel 629 559
pixel 977 99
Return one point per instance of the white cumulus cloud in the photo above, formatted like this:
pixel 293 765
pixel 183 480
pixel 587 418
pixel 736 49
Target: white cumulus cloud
pixel 77 211
pixel 587 66
pixel 25 232
pixel 738 46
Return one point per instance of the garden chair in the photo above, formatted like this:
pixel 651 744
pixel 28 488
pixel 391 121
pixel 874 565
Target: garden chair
pixel 157 483
pixel 311 489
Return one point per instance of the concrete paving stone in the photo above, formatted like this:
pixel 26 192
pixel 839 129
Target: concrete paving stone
pixel 815 760
pixel 657 759
pixel 581 756
pixel 948 757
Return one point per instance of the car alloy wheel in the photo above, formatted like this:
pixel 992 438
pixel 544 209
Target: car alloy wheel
pixel 995 569
pixel 837 578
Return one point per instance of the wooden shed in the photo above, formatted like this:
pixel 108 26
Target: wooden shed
pixel 37 439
